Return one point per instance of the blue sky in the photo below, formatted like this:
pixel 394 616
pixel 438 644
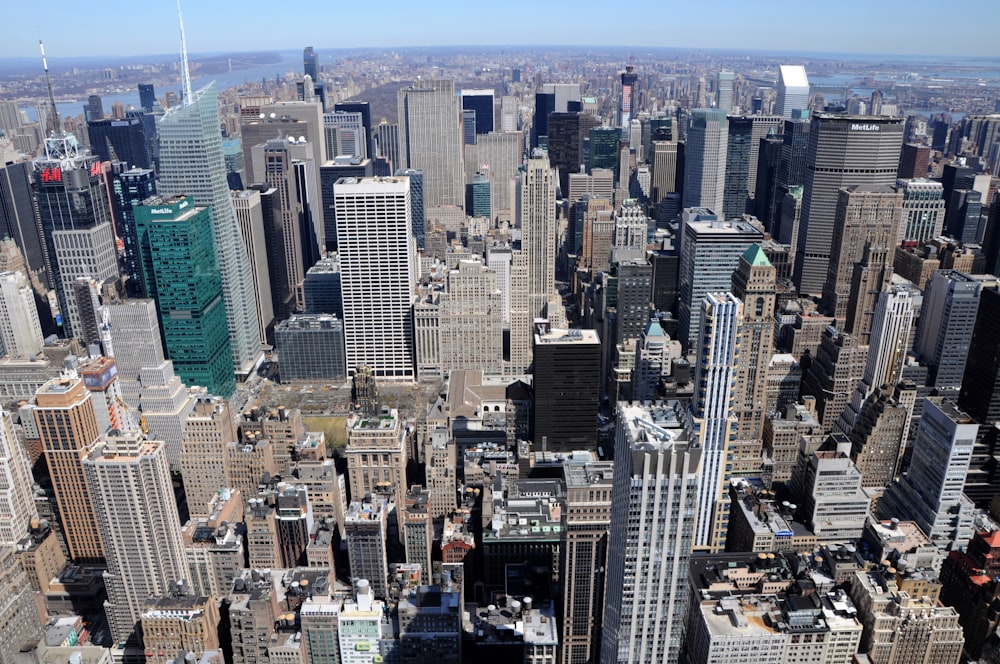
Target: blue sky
pixel 924 27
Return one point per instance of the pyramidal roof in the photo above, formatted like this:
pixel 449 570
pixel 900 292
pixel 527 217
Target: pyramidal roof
pixel 756 257
pixel 654 329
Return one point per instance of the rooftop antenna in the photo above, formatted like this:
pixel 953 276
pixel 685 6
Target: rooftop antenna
pixel 185 74
pixel 56 121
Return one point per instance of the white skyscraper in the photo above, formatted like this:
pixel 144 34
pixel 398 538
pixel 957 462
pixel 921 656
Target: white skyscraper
pixel 430 138
pixel 20 331
pixel 653 508
pixel 378 272
pixel 538 231
pixel 250 216
pixel 135 343
pixel 191 163
pixel 712 411
pixel 793 90
pixel 724 91
pixel 17 505
pixel 129 481
pixel 705 155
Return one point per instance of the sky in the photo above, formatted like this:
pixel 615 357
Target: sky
pixel 905 27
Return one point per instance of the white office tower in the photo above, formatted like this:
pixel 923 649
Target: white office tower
pixel 17 504
pixel 887 351
pixel 793 90
pixel 129 482
pixel 931 492
pixel 378 272
pixel 631 225
pixel 250 216
pixel 191 163
pixel 134 331
pixel 537 207
pixel 430 138
pixel 705 155
pixel 165 405
pixel 20 331
pixel 724 91
pixel 653 507
pixel 712 412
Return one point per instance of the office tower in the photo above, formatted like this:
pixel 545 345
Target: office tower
pixel 178 622
pixel 208 427
pixel 471 326
pixel 791 170
pixel 322 287
pixel 17 507
pixel 75 220
pixel 980 393
pixel 545 105
pixel 923 210
pixel 631 226
pixel 754 285
pixel 742 152
pixel 329 173
pixel 134 331
pixel 477 198
pixel 793 90
pixel 834 374
pixel 831 497
pixel 310 62
pixel 843 151
pixel 165 404
pixel 282 120
pixel 377 267
pixel 311 347
pixel 537 216
pixel 293 520
pixel 94 110
pixel 566 143
pixel 867 219
pixel 947 321
pixel 765 194
pixel 710 252
pixel 664 177
pixel 191 163
pixel 594 232
pixel 418 204
pixel 705 159
pixel 603 148
pixel 879 432
pixel 17 213
pixel 364 108
pixel 131 188
pixel 250 217
pixel 376 454
pixel 367 542
pixel 647 585
pixel 481 103
pixel 430 139
pixel 914 161
pixel 67 426
pixel 655 352
pixel 418 530
pixel 635 284
pixel 182 277
pixel 120 140
pixel 931 492
pixel 712 412
pixel 20 331
pixel 387 143
pixel 724 91
pixel 962 217
pixel 128 479
pixel 345 135
pixel 147 96
pixel 567 389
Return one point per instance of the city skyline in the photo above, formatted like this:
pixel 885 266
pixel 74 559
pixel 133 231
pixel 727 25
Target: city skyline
pixel 803 29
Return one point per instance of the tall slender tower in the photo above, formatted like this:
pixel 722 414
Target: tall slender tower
pixel 653 505
pixel 129 482
pixel 538 231
pixel 793 90
pixel 20 331
pixel 705 159
pixel 192 164
pixel 430 138
pixel 17 507
pixel 712 410
pixel 628 98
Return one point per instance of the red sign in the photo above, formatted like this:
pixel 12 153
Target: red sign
pixel 95 169
pixel 51 175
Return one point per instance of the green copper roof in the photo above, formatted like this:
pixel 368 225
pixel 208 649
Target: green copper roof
pixel 756 256
pixel 654 329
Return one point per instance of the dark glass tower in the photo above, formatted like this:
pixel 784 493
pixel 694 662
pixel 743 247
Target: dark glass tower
pixel 17 214
pixel 545 105
pixel 131 188
pixel 604 149
pixel 567 370
pixel 127 138
pixel 418 211
pixel 481 102
pixel 734 199
pixel 310 63
pixel 147 96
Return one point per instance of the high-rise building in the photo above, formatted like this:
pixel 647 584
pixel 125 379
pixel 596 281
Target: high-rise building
pixel 387 144
pixel 923 210
pixel 710 252
pixel 376 454
pixel 20 331
pixel 131 188
pixel 364 108
pixel 567 389
pixel 17 212
pixel 537 216
pixel 664 178
pixel 180 270
pixel 366 522
pixel 345 135
pixel 712 412
pixel 604 143
pixel 629 96
pixel 128 478
pixel 67 426
pixel 843 150
pixel 705 159
pixel 742 153
pixel 418 530
pixel 192 164
pixel 963 215
pixel 248 206
pixel 545 105
pixel 980 393
pixel 567 143
pixel 121 140
pixel 431 140
pixel 17 506
pixel 311 347
pixel 418 204
pixel 471 328
pixel 947 321
pixel 724 91
pixel 208 427
pixel 793 90
pixel 147 96
pixel 135 342
pixel 481 102
pixel 377 274
pixel 310 62
pixel 656 480
pixel 931 492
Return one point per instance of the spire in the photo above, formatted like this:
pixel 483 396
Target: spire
pixel 185 73
pixel 56 122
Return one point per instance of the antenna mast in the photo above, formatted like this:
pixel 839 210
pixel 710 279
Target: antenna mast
pixel 185 73
pixel 57 123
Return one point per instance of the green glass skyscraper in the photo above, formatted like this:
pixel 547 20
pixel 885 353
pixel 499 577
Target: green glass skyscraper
pixel 182 275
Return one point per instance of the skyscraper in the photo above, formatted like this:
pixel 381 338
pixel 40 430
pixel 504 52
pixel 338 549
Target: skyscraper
pixel 17 506
pixel 705 159
pixel 567 390
pixel 128 479
pixel 628 102
pixel 724 91
pixel 377 273
pixel 310 62
pixel 653 505
pixel 923 210
pixel 126 138
pixel 17 213
pixel 844 150
pixel 131 188
pixel 537 211
pixel 947 320
pixel 176 240
pixel 249 210
pixel 147 96
pixel 192 164
pixel 482 103
pixel 793 90
pixel 430 139
pixel 20 331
